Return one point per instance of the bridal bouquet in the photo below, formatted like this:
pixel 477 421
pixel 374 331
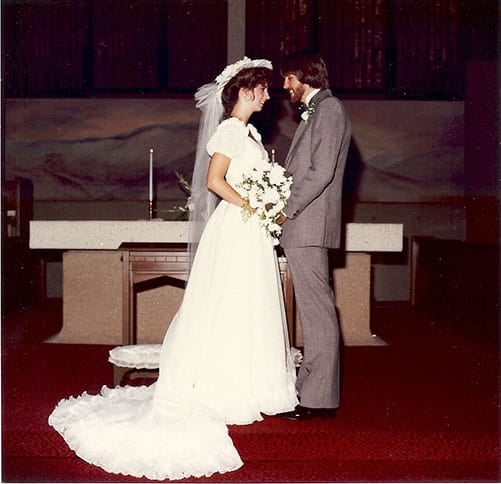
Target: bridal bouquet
pixel 266 191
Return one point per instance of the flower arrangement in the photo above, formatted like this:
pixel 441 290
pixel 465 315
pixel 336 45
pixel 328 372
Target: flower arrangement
pixel 308 113
pixel 185 185
pixel 266 191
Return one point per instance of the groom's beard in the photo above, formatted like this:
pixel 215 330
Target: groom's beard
pixel 296 94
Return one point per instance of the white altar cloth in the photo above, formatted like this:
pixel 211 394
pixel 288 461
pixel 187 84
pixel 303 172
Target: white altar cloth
pixel 109 234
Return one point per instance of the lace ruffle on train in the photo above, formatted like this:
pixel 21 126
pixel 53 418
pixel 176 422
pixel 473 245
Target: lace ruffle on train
pixel 120 431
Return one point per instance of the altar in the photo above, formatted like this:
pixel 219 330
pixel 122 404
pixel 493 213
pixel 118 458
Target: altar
pixel 94 284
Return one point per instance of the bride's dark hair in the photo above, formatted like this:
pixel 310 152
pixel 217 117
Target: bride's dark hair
pixel 248 79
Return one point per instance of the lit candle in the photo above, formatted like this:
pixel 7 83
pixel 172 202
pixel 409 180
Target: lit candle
pixel 273 155
pixel 151 174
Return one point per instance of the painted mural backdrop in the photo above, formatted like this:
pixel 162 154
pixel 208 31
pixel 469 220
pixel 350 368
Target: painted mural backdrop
pixel 98 149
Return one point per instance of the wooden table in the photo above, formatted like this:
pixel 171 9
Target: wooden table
pixel 167 263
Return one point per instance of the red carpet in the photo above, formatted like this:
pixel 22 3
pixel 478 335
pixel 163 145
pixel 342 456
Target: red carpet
pixel 424 408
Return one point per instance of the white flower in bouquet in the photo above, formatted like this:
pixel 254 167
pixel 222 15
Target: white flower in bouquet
pixel 270 196
pixel 276 174
pixel 267 191
pixel 255 199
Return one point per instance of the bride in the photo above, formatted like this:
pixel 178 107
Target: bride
pixel 225 358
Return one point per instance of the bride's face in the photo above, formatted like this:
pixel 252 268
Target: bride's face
pixel 260 95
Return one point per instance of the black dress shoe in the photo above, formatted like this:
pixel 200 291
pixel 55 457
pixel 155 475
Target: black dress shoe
pixel 305 413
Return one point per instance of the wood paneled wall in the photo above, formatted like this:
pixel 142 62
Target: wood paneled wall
pixel 401 48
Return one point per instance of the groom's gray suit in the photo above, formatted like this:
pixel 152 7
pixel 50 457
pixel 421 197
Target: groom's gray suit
pixel 317 158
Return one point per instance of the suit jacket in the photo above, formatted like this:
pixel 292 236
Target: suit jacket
pixel 316 159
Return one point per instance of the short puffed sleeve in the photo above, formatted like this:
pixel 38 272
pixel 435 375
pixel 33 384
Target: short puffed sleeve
pixel 229 138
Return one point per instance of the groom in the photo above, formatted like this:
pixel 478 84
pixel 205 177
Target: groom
pixel 311 225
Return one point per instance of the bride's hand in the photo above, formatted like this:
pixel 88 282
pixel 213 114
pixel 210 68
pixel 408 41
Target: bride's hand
pixel 247 210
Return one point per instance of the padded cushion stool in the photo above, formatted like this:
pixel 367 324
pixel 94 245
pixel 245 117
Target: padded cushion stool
pixel 134 361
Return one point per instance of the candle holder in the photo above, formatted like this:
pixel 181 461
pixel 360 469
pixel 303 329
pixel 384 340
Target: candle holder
pixel 150 210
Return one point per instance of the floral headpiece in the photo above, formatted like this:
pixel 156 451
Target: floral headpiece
pixel 232 70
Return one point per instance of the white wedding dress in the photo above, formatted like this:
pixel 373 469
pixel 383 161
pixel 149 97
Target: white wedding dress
pixel 225 358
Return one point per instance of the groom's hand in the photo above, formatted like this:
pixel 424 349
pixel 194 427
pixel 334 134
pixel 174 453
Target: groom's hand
pixel 281 218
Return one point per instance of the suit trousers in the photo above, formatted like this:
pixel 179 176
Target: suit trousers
pixel 318 377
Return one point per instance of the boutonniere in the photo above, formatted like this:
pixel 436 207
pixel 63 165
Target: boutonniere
pixel 308 113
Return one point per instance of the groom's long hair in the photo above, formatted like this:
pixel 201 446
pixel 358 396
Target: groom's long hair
pixel 308 67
